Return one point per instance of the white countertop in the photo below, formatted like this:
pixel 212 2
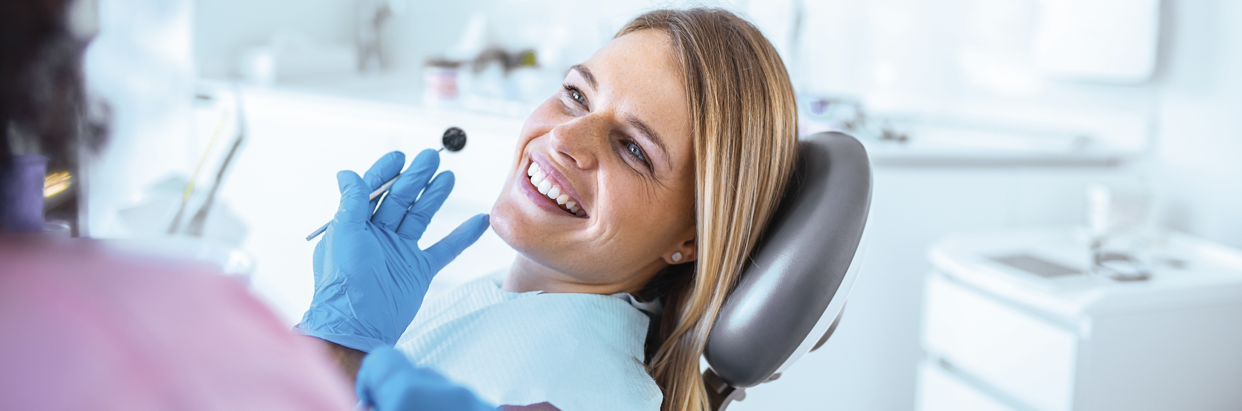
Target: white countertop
pixel 1205 273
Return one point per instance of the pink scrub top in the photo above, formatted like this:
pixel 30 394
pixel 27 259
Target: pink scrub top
pixel 86 328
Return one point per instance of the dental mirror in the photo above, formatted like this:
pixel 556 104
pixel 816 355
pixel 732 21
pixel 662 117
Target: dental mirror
pixel 454 140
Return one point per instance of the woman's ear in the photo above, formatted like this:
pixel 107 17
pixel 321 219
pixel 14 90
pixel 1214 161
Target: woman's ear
pixel 683 254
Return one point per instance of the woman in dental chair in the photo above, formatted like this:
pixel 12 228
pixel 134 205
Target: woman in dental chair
pixel 636 194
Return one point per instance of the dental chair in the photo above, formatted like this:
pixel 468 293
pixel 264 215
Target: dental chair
pixel 790 299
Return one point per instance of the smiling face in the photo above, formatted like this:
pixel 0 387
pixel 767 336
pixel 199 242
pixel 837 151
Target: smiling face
pixel 602 190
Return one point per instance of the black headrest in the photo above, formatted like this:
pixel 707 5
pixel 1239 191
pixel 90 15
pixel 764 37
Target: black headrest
pixel 803 267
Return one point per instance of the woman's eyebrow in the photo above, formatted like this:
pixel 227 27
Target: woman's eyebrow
pixel 586 74
pixel 650 134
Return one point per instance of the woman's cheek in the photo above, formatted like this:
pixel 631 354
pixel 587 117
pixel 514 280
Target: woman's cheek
pixel 540 122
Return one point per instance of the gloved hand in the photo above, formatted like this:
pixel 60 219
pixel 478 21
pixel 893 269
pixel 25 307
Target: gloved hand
pixel 370 275
pixel 388 381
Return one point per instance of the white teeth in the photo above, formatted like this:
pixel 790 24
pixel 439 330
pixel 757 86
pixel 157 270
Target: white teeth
pixel 539 179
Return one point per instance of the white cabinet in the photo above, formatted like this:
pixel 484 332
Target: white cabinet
pixel 996 339
pixel 1020 354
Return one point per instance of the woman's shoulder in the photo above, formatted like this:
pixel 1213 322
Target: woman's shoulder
pixel 545 347
pixel 592 343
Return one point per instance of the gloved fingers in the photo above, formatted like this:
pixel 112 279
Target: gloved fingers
pixel 380 366
pixel 383 169
pixel 354 206
pixel 388 381
pixel 406 189
pixel 448 248
pixel 416 219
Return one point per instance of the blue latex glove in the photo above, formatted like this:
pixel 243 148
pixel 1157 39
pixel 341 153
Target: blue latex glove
pixel 387 381
pixel 370 275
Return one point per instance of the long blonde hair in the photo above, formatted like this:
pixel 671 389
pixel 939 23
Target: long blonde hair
pixel 744 126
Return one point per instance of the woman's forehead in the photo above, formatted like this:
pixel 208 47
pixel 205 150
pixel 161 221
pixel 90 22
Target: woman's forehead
pixel 641 58
pixel 636 74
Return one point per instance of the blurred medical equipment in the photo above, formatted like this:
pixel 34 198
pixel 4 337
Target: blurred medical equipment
pixel 372 279
pixel 189 186
pixel 195 227
pixel 844 114
pixel 955 138
pixel 372 16
pixel 996 339
pixel 789 301
pixel 454 140
pixel 1119 223
pixel 24 194
pixel 440 82
pixel 495 73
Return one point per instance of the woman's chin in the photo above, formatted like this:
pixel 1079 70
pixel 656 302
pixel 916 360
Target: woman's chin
pixel 530 232
pixel 516 227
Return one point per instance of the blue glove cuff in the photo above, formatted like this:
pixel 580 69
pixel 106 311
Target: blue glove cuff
pixel 334 316
pixel 364 344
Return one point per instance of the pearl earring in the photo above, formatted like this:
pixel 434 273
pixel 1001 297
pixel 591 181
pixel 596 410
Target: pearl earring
pixel 676 256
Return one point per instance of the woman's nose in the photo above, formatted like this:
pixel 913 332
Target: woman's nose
pixel 580 140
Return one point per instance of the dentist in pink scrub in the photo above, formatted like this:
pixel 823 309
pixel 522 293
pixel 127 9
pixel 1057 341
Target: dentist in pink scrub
pixel 82 327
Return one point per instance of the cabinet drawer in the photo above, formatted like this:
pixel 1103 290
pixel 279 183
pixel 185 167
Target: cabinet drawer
pixel 940 390
pixel 1027 358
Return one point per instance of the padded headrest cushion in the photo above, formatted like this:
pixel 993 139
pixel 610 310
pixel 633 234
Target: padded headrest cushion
pixel 799 265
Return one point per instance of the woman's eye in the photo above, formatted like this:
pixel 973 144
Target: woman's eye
pixel 575 94
pixel 636 151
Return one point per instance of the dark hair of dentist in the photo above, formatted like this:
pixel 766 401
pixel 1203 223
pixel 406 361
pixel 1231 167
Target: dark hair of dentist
pixel 87 328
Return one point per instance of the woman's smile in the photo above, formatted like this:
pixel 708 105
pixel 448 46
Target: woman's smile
pixel 550 189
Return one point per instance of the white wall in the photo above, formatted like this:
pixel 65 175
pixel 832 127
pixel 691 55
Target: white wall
pixel 1199 173
pixel 969 59
pixel 418 30
pixel 140 65
pixel 225 28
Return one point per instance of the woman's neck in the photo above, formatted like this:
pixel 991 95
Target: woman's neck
pixel 526 275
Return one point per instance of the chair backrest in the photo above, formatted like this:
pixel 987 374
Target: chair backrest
pixel 786 301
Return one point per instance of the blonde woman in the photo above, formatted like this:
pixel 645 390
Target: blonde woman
pixel 636 194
